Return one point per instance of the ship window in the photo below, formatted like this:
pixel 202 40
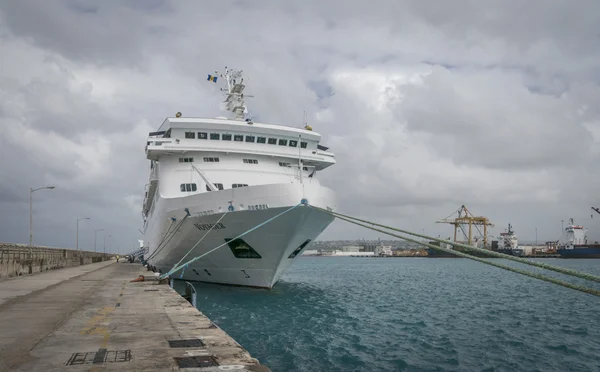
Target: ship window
pixel 215 136
pixel 219 186
pixel 186 160
pixel 241 249
pixel 187 187
pixel 303 144
pixel 261 139
pixel 282 164
pixel 249 138
pixel 299 249
pixel 202 135
pixel 272 141
pixel 226 137
pixel 236 185
pixel 305 169
pixel 211 160
pixel 282 142
pixel 238 138
pixel 190 135
pixel 250 161
pixel 293 143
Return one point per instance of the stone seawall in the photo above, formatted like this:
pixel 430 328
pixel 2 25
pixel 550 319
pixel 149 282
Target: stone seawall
pixel 20 259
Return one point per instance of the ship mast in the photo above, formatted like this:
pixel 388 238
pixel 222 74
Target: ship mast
pixel 234 96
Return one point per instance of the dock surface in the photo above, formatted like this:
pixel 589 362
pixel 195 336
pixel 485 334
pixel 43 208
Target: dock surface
pixel 92 318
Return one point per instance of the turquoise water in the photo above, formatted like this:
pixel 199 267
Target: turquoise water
pixel 411 314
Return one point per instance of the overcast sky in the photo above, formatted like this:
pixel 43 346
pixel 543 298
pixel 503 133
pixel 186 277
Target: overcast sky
pixel 427 105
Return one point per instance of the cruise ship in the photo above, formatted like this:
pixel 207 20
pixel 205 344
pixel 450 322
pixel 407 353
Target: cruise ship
pixel 212 179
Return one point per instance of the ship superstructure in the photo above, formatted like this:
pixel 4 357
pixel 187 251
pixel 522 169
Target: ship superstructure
pixel 212 179
pixel 508 243
pixel 574 243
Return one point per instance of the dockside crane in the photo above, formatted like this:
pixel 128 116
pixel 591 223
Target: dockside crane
pixel 465 217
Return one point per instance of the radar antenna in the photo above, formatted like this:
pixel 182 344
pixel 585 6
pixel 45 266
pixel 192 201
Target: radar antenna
pixel 234 96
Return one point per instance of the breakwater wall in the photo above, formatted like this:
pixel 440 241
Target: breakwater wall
pixel 20 259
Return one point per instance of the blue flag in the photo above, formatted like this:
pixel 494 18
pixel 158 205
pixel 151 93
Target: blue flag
pixel 212 78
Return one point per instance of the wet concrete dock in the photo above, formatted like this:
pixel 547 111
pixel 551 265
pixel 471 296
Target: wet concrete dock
pixel 92 318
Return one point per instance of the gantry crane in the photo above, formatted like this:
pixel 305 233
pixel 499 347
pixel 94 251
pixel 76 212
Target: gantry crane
pixel 465 217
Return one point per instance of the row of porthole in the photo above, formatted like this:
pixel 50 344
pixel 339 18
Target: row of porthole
pixel 258 207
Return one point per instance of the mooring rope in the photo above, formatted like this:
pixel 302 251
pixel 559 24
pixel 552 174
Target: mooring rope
pixel 576 287
pixel 558 269
pixel 179 267
pixel 164 242
pixel 201 239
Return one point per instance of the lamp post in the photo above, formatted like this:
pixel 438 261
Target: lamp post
pixel 536 236
pixel 31 191
pixel 79 219
pixel 95 231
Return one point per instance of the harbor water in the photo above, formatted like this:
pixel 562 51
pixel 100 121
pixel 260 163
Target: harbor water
pixel 411 314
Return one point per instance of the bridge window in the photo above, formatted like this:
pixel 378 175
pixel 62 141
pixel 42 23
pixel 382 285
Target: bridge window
pixel 282 164
pixel 187 187
pixel 211 160
pixel 202 135
pixel 236 185
pixel 303 144
pixel 186 160
pixel 293 143
pixel 272 141
pixel 215 136
pixel 305 169
pixel 249 138
pixel 250 161
pixel 261 139
pixel 226 137
pixel 282 142
pixel 238 138
pixel 190 135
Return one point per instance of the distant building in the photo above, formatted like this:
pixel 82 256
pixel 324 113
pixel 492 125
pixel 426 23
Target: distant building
pixel 351 248
pixel 353 254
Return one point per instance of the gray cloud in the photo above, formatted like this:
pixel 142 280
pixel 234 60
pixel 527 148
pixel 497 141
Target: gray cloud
pixel 427 107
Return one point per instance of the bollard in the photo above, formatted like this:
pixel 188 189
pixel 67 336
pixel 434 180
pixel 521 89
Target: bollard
pixel 190 292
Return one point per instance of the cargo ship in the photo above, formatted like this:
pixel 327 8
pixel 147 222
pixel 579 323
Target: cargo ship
pixel 508 243
pixel 434 253
pixel 574 244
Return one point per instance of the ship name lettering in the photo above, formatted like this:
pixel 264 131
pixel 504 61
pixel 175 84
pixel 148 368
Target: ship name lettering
pixel 208 226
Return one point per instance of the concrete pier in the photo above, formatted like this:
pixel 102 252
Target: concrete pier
pixel 92 318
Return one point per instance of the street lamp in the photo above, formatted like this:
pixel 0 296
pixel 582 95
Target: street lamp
pixel 79 219
pixel 95 231
pixel 536 236
pixel 31 191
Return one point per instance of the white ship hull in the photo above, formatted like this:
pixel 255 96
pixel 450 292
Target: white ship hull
pixel 277 243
